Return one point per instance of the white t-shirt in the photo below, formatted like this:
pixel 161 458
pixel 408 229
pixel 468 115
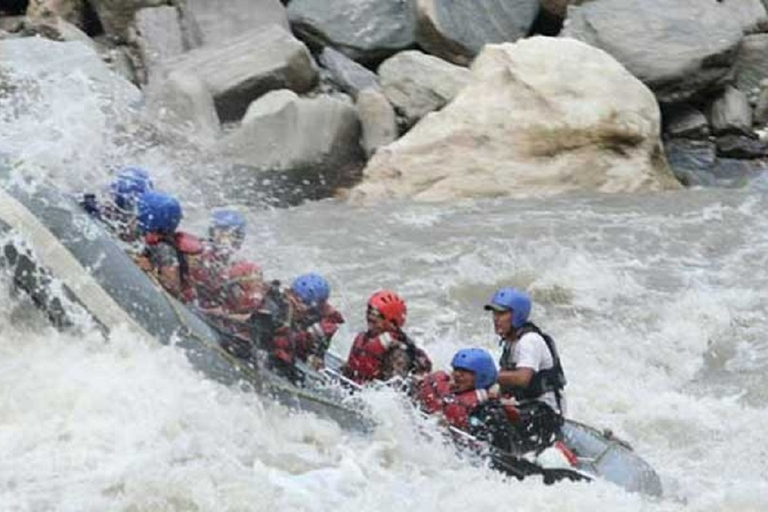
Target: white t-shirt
pixel 531 351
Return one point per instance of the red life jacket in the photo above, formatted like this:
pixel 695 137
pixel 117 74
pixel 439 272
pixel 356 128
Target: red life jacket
pixel 208 275
pixel 315 338
pixel 367 355
pixel 436 396
pixel 186 245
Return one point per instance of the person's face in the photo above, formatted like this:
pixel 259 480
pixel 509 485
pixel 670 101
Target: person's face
pixel 227 239
pixel 376 322
pixel 462 380
pixel 502 322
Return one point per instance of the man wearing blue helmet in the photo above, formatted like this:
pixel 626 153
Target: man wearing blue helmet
pixel 531 372
pixel 167 252
pixel 117 210
pixel 314 321
pixel 226 233
pixel 458 397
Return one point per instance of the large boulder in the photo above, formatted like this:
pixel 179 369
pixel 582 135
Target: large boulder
pixel 242 68
pixel 457 31
pixel 417 83
pixel 751 13
pixel 752 64
pixel 350 76
pixel 678 48
pixel 731 113
pixel 542 116
pixel 159 38
pixel 218 20
pixel 289 142
pixel 364 30
pixel 378 121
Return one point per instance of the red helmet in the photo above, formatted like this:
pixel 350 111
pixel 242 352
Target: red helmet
pixel 390 305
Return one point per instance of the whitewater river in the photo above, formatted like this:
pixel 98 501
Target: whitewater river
pixel 658 304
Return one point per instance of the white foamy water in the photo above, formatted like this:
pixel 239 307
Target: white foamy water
pixel 657 303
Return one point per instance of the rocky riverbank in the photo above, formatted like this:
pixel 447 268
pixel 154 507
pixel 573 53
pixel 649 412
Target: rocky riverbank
pixel 426 99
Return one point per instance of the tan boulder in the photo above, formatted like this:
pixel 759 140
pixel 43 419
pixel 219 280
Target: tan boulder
pixel 543 116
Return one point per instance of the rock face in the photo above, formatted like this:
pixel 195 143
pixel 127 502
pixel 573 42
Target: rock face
pixel 457 31
pixel 159 37
pixel 243 68
pixel 280 145
pixel 364 30
pixel 116 16
pixel 752 64
pixel 417 83
pixel 678 48
pixel 750 13
pixel 543 116
pixel 219 20
pixel 348 74
pixel 377 120
pixel 731 113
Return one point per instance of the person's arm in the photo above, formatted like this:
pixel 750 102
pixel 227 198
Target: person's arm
pixel 528 356
pixel 519 378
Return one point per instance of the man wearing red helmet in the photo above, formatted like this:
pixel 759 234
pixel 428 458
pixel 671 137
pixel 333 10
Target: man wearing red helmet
pixel 384 351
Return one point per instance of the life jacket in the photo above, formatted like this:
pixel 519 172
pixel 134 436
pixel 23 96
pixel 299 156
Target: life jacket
pixel 366 356
pixel 208 275
pixel 314 329
pixel 186 246
pixel 435 395
pixel 543 381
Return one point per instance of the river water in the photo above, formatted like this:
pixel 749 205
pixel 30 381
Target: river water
pixel 657 303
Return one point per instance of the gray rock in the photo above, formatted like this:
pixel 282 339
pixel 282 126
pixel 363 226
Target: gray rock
pixel 377 119
pixel 761 110
pixel 289 146
pixel 457 31
pixel 678 48
pixel 691 161
pixel 750 13
pixel 685 121
pixel 348 74
pixel 159 37
pixel 731 113
pixel 417 83
pixel 752 64
pixel 365 30
pixel 57 29
pixel 243 68
pixel 116 16
pixel 11 24
pixel 182 103
pixel 741 147
pixel 71 11
pixel 219 20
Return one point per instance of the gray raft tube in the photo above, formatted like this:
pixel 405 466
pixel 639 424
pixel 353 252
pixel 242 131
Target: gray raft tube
pixel 62 245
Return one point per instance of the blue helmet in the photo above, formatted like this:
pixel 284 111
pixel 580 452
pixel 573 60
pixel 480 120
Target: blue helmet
pixel 512 299
pixel 479 362
pixel 128 185
pixel 158 213
pixel 229 220
pixel 311 288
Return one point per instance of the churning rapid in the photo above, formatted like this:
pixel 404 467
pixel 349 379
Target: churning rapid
pixel 657 302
